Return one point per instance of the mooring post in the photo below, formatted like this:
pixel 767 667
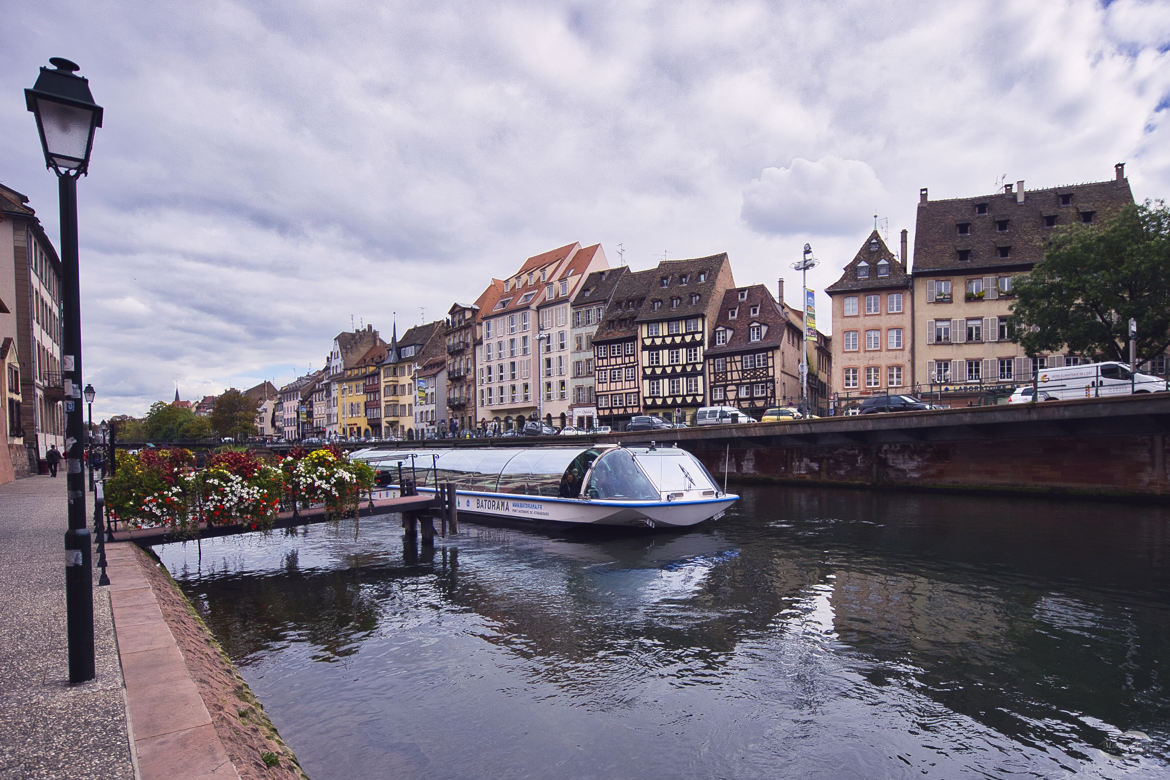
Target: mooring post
pixel 440 504
pixel 427 522
pixel 452 509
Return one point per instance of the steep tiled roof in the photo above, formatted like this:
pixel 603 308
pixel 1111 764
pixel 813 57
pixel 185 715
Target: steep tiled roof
pixel 740 301
pixel 629 295
pixel 261 392
pixel 599 285
pixel 675 284
pixel 1010 228
pixel 548 258
pixel 873 250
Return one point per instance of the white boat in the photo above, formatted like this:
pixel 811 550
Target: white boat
pixel 604 484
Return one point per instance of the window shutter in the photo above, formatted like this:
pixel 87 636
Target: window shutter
pixel 958 332
pixel 1055 361
pixel 930 331
pixel 1023 369
pixel 990 291
pixel 991 328
pixel 930 371
pixel 930 290
pixel 958 371
pixel 989 373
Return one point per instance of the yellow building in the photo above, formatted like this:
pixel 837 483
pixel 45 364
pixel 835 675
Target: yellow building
pixel 398 369
pixel 359 404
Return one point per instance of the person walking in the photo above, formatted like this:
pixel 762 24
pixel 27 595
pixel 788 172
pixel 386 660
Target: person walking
pixel 53 457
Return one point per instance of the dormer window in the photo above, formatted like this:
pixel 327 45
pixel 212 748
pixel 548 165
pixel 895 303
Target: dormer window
pixel 702 276
pixel 755 311
pixel 964 228
pixel 743 295
pixel 755 332
pixel 1066 199
pixel 1001 225
pixel 1003 251
pixel 883 267
pixel 664 281
pixel 564 287
pixel 980 208
pixel 1049 220
pixel 720 337
pixel 655 305
pixel 694 298
pixel 674 302
pixel 733 313
pixel 863 270
pixel 964 255
pixel 1087 216
pixel 682 279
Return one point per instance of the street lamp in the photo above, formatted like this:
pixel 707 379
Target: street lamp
pixel 805 263
pixel 66 120
pixel 89 394
pixel 542 340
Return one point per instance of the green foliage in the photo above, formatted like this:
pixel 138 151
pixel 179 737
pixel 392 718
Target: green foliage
pixel 165 422
pixel 234 415
pixel 1092 281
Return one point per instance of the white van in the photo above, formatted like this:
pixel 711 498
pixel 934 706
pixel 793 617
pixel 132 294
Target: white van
pixel 721 415
pixel 1093 380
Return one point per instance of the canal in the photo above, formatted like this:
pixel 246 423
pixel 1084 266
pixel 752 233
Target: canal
pixel 809 633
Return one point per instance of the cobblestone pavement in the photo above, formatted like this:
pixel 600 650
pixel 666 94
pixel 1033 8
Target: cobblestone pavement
pixel 52 729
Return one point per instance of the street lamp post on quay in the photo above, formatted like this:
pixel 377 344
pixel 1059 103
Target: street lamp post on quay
pixel 67 118
pixel 89 394
pixel 805 263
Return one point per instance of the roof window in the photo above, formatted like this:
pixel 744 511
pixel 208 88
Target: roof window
pixel 980 208
pixel 863 270
pixel 964 228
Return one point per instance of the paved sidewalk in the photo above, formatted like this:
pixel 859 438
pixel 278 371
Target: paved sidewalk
pixel 52 729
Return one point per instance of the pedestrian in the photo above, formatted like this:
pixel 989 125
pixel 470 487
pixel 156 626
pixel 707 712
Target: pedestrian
pixel 53 457
pixel 99 462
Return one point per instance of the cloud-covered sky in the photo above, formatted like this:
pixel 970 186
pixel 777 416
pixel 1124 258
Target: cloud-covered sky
pixel 273 172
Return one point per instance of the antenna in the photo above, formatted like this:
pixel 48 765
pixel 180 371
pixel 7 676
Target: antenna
pixel 883 227
pixel 621 253
pixel 351 327
pixel 422 315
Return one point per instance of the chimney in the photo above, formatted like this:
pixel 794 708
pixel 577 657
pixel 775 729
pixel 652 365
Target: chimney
pixel 1007 189
pixel 780 287
pixel 922 195
pixel 1119 171
pixel 905 244
pixel 1020 191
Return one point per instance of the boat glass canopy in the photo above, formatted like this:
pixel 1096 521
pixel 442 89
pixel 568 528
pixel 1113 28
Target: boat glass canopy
pixel 604 472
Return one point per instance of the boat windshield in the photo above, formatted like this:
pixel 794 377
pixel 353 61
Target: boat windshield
pixel 616 475
pixel 674 470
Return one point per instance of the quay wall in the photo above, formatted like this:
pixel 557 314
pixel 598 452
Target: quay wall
pixel 1116 447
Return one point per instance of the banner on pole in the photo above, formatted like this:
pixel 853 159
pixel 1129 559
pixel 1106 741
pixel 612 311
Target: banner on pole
pixel 810 315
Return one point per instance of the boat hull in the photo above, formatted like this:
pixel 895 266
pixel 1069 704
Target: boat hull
pixel 586 512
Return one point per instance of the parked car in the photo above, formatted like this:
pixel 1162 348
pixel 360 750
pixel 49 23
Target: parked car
pixel 537 428
pixel 600 429
pixel 781 414
pixel 1023 395
pixel 646 422
pixel 892 403
pixel 571 430
pixel 721 415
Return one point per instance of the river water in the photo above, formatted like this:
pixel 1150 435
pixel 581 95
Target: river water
pixel 810 633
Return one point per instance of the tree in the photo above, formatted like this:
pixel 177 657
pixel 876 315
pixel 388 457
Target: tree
pixel 234 415
pixel 165 422
pixel 1092 280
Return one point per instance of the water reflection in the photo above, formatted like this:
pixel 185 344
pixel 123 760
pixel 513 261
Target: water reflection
pixel 810 633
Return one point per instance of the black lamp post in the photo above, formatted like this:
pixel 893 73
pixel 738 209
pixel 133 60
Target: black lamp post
pixel 89 394
pixel 66 120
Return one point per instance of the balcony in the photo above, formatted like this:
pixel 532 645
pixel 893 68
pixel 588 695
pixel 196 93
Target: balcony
pixel 53 386
pixel 455 347
pixel 456 403
pixel 456 374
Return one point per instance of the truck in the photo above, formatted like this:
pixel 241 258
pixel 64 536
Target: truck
pixel 1095 380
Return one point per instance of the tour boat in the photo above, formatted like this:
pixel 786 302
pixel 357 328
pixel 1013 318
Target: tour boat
pixel 602 485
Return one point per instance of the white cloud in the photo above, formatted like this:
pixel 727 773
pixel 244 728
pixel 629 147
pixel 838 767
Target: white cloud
pixel 824 197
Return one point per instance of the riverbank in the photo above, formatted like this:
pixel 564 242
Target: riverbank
pixel 165 702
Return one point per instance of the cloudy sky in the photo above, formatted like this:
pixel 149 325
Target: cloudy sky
pixel 271 173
